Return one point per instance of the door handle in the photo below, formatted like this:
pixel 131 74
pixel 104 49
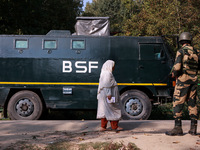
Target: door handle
pixel 141 67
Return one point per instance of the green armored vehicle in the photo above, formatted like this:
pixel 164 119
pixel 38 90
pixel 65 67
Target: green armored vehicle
pixel 61 70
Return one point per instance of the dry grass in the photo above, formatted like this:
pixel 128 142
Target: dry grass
pixel 22 145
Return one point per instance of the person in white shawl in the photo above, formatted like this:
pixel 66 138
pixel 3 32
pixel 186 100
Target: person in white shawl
pixel 108 91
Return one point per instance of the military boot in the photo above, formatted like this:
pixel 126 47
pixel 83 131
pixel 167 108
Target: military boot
pixel 177 130
pixel 193 127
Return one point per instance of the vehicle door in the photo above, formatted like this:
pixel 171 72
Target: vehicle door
pixel 153 66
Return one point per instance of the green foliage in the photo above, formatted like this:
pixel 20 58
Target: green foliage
pixel 165 112
pixel 116 10
pixel 105 8
pixel 155 18
pixel 162 112
pixel 38 16
pixel 149 17
pixel 166 17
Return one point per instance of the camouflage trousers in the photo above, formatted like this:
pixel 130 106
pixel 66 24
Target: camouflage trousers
pixel 185 93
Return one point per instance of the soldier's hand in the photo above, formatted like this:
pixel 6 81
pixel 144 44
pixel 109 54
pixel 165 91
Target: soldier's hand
pixel 173 75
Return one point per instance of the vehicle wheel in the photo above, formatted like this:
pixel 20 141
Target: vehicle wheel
pixel 25 105
pixel 135 105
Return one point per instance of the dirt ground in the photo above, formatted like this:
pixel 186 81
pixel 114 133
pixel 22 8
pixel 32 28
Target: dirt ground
pixel 147 135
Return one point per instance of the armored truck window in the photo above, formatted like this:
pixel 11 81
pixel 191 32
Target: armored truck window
pixel 78 44
pixel 21 44
pixel 49 44
pixel 151 51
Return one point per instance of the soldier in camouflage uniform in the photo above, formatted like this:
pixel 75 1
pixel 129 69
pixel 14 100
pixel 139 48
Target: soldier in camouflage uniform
pixel 185 71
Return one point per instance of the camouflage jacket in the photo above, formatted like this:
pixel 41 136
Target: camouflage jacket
pixel 186 65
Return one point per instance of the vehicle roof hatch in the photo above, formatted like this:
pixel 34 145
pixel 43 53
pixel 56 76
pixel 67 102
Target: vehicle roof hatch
pixel 59 33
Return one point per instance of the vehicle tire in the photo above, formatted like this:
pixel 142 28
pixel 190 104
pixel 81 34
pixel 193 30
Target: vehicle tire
pixel 25 105
pixel 135 105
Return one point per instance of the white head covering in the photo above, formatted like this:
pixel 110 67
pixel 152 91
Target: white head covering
pixel 107 79
pixel 108 66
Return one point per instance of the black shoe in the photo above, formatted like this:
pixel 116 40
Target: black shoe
pixel 177 130
pixel 193 127
pixel 193 131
